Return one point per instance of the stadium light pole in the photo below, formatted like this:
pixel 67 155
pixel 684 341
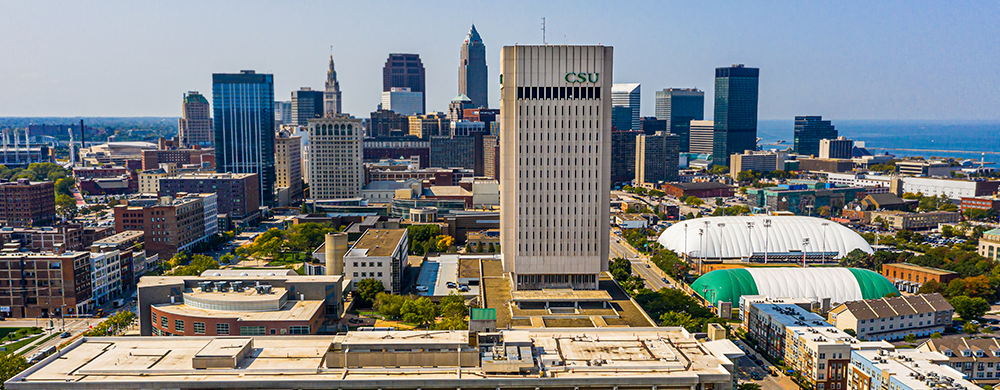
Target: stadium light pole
pixel 767 226
pixel 701 239
pixel 805 243
pixel 750 240
pixel 720 225
pixel 824 224
pixel 686 242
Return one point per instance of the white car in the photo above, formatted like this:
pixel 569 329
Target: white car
pixel 422 288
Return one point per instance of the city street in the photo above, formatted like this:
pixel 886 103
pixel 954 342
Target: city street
pixel 640 264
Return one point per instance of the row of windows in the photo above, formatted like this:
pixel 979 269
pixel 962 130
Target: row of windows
pixel 368 274
pixel 558 92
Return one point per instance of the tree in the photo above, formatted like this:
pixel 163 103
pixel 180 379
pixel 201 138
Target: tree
pixel 444 242
pixel 970 328
pixel 930 287
pixel 66 206
pixel 683 320
pixel 620 269
pixel 390 306
pixel 693 201
pixel 453 306
pixel 226 258
pixel 468 247
pixel 851 332
pixel 479 247
pixel 420 312
pixel 11 364
pixel 969 308
pixel 748 386
pixel 491 249
pixel 719 201
pixel 936 335
pixel 195 264
pixel 64 186
pixel 368 289
pixel 910 338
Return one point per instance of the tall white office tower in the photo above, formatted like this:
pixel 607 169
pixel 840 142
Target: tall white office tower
pixel 555 147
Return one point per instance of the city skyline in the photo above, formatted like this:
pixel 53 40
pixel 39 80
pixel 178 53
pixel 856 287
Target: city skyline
pixel 872 66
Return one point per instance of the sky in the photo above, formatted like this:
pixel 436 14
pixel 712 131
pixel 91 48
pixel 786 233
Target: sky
pixel 910 60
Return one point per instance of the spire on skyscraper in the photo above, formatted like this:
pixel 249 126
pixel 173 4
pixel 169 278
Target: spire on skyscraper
pixel 473 36
pixel 331 94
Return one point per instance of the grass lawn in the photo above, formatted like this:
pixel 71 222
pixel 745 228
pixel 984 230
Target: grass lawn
pixel 18 345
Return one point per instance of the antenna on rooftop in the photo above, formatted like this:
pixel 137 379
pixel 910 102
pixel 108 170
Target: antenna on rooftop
pixel 543 31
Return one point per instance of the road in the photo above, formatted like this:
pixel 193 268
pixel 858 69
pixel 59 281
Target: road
pixel 74 326
pixel 749 367
pixel 640 264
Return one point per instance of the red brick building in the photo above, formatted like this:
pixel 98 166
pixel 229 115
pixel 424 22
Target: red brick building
pixel 980 203
pixel 709 189
pixel 24 203
pixel 151 159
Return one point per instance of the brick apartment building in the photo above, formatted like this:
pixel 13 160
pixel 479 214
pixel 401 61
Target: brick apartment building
pixel 24 203
pixel 169 226
pixel 238 193
pixel 151 159
pixel 46 284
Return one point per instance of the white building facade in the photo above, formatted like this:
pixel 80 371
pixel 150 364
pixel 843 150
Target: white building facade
pixel 555 142
pixel 106 276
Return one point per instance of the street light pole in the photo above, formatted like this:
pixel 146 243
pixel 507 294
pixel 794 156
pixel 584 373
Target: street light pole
pixel 767 228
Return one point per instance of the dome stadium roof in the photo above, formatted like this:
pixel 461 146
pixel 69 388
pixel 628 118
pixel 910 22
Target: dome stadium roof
pixel 838 284
pixel 735 240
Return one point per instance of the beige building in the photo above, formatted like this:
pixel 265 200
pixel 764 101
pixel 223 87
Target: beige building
pixel 754 160
pixel 989 244
pixel 335 168
pixel 978 359
pixel 915 221
pixel 555 148
pixel 378 254
pixel 894 318
pixel 430 125
pixel 288 167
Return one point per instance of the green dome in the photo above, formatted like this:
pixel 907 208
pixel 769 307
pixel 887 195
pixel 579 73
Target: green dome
pixel 725 285
pixel 873 285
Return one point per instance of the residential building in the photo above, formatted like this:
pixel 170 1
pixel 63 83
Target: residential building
pixel 45 284
pixel 840 147
pixel 680 106
pixel 952 188
pixel 238 196
pixel 106 276
pixel 384 123
pixel 915 221
pixel 405 71
pixel 555 175
pixel 989 244
pixel 195 125
pixel 238 303
pixel 244 127
pixel 288 168
pixel 535 358
pixel 656 157
pixel 894 318
pixel 431 125
pixel 701 137
pixel 25 203
pixel 735 111
pixel 705 189
pixel 170 225
pixel 335 167
pixel 804 197
pixel 152 159
pixel 976 358
pixel 379 254
pixel 809 131
pixel 903 369
pixel 756 160
pixel 403 101
pixel 472 74
pixel 625 99
pixel 332 99
pixel 306 104
pixel 623 155
pixel 46 238
pixel 910 277
pixel 923 168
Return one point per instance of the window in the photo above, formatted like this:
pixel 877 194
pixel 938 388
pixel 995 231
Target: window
pixel 199 328
pixel 163 322
pixel 154 318
pixel 221 329
pixel 179 325
pixel 298 329
pixel 253 330
pixel 822 356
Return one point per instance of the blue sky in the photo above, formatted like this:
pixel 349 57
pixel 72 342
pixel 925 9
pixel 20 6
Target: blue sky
pixel 841 59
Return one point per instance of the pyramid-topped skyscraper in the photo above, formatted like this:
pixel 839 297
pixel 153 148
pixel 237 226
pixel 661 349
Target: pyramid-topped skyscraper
pixel 472 71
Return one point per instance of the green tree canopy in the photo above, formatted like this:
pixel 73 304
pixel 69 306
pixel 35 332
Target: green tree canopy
pixel 368 289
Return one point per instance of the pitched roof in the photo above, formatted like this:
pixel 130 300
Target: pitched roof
pixel 897 306
pixel 886 199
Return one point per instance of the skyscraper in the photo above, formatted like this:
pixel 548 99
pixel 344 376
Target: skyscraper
pixel 306 104
pixel 288 167
pixel 623 155
pixel 626 95
pixel 680 106
pixel 243 106
pixel 195 126
pixel 331 92
pixel 808 131
pixel 702 137
pixel 735 111
pixel 472 72
pixel 656 157
pixel 555 143
pixel 405 71
pixel 402 100
pixel 282 113
pixel 335 168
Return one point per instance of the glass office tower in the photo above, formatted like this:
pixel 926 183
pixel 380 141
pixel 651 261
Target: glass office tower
pixel 735 111
pixel 809 130
pixel 680 106
pixel 243 105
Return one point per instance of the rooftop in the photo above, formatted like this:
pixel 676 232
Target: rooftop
pixel 930 270
pixel 701 185
pixel 119 238
pixel 377 243
pixel 914 368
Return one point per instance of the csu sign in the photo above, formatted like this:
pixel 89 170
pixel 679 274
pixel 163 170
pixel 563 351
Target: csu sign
pixel 581 77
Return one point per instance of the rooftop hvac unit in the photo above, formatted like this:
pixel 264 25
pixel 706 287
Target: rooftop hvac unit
pixel 222 286
pixel 260 289
pixel 237 286
pixel 267 288
pixel 205 286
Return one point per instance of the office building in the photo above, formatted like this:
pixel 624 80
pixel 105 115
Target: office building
pixel 976 358
pixel 45 284
pixel 403 100
pixel 680 106
pixel 407 147
pixel 923 168
pixel 405 71
pixel 26 203
pixel 151 159
pixel 194 128
pixel 244 127
pixel 836 148
pixel 906 369
pixel 555 151
pixel 952 188
pixel 756 160
pixel 453 152
pixel 735 111
pixel 542 359
pixel 472 73
pixel 238 303
pixel 132 260
pixel 238 194
pixel 623 155
pixel 809 130
pixel 306 104
pixel 649 125
pixel 288 168
pixel 332 101
pixel 171 224
pixel 457 107
pixel 900 220
pixel 627 96
pixel 702 138
pixel 435 124
pixel 989 244
pixel 282 114
pixel 335 167
pixel 894 318
pixel 379 254
pixel 656 157
pixel 385 123
pixel 491 156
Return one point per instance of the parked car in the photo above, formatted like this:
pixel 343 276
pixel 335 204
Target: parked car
pixel 422 288
pixel 65 335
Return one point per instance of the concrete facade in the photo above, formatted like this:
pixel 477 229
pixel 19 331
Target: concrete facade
pixel 335 168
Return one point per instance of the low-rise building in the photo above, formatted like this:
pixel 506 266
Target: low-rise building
pixel 631 221
pixel 45 238
pixel 903 369
pixel 909 277
pixel 989 244
pixel 385 191
pixel 977 358
pixel 894 318
pixel 755 160
pixel 133 262
pixel 952 188
pixel 885 201
pixel 708 189
pixel 900 220
pixel 923 168
pixel 379 254
pixel 45 284
pixel 816 164
pixel 25 203
pixel 979 203
pixel 803 197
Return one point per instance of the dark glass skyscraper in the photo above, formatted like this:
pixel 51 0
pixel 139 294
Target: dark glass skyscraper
pixel 472 71
pixel 405 71
pixel 808 131
pixel 680 106
pixel 735 111
pixel 243 107
pixel 306 104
